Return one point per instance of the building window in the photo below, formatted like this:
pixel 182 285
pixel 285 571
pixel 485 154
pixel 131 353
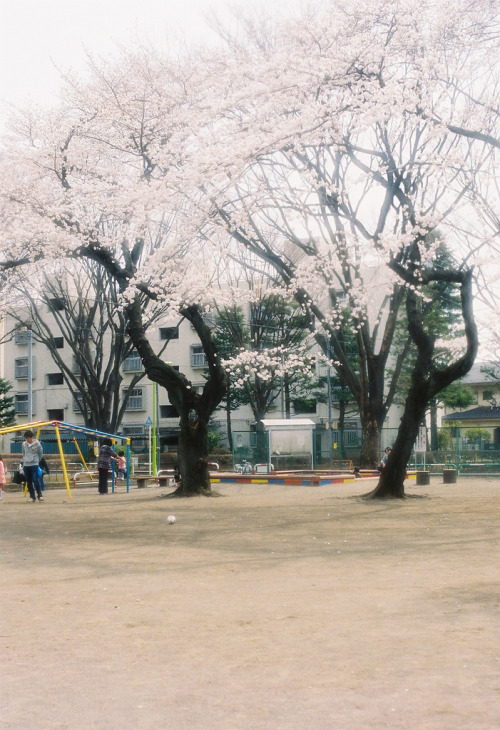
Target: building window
pixel 132 363
pixel 487 395
pixel 168 412
pixel 135 400
pixel 198 357
pixel 169 333
pixel 22 335
pixel 21 403
pixel 77 404
pixel 136 435
pixel 59 343
pixel 55 379
pixel 133 430
pixel 339 299
pixel 55 414
pixel 56 305
pixel 21 367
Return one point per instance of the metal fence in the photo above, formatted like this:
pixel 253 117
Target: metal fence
pixel 341 449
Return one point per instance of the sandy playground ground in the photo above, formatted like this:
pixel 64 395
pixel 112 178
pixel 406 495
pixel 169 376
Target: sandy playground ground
pixel 269 607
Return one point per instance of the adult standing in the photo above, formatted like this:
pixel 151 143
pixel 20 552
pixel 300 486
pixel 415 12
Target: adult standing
pixel 32 453
pixel 106 457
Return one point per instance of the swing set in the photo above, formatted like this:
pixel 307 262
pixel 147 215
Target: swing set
pixel 59 426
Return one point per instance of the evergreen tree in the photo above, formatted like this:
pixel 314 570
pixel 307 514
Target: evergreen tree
pixel 440 308
pixel 230 334
pixel 7 407
pixel 274 334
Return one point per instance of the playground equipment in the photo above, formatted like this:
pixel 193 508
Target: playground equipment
pixel 59 426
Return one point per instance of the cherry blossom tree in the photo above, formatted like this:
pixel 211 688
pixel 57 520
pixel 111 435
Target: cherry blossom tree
pixel 330 148
pixel 82 181
pixel 271 355
pixel 357 136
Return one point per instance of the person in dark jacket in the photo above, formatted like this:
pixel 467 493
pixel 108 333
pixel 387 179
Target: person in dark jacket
pixel 104 463
pixel 385 457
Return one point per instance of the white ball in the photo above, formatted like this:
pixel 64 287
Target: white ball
pixel 171 519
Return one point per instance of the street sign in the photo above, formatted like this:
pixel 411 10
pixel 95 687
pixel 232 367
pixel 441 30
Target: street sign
pixel 421 442
pixel 149 422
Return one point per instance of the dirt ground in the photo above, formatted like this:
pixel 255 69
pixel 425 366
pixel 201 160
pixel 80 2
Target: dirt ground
pixel 269 607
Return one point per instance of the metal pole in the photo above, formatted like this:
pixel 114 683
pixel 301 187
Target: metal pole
pixel 128 465
pixel 63 461
pixel 282 388
pixel 329 388
pixel 158 459
pixel 29 334
pixel 154 429
pixel 149 447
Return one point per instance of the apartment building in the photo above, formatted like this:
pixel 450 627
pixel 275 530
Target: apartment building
pixel 52 400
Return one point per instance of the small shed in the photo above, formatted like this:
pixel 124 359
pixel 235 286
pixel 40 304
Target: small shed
pixel 289 437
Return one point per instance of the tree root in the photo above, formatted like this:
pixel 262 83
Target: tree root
pixel 179 493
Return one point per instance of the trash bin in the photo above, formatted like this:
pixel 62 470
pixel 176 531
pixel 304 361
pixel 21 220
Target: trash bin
pixel 423 477
pixel 449 476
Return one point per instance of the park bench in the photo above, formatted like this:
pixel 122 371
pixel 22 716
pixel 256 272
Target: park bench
pixel 143 479
pixel 165 478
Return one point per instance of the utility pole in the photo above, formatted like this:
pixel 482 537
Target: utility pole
pixel 329 389
pixel 282 386
pixel 29 335
pixel 155 426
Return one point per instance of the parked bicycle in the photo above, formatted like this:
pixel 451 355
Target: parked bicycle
pixel 244 468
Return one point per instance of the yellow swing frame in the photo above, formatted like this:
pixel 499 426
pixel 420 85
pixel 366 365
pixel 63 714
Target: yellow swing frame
pixel 38 425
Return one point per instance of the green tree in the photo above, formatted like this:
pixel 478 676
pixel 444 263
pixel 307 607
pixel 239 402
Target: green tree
pixel 7 407
pixel 274 334
pixel 457 396
pixel 230 334
pixel 440 309
pixel 478 434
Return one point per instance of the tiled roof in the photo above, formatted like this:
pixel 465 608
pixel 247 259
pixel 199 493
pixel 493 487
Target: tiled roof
pixel 485 412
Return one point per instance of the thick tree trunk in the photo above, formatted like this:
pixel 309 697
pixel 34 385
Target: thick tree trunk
pixel 370 445
pixel 194 409
pixel 229 426
pixel 193 458
pixel 427 380
pixel 391 482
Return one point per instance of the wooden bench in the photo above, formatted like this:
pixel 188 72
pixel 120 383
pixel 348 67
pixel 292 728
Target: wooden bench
pixel 165 481
pixel 143 480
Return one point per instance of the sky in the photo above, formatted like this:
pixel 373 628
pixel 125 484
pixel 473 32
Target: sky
pixel 41 38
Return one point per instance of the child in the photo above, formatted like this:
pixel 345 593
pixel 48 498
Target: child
pixel 43 468
pixel 2 478
pixel 121 465
pixel 385 457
